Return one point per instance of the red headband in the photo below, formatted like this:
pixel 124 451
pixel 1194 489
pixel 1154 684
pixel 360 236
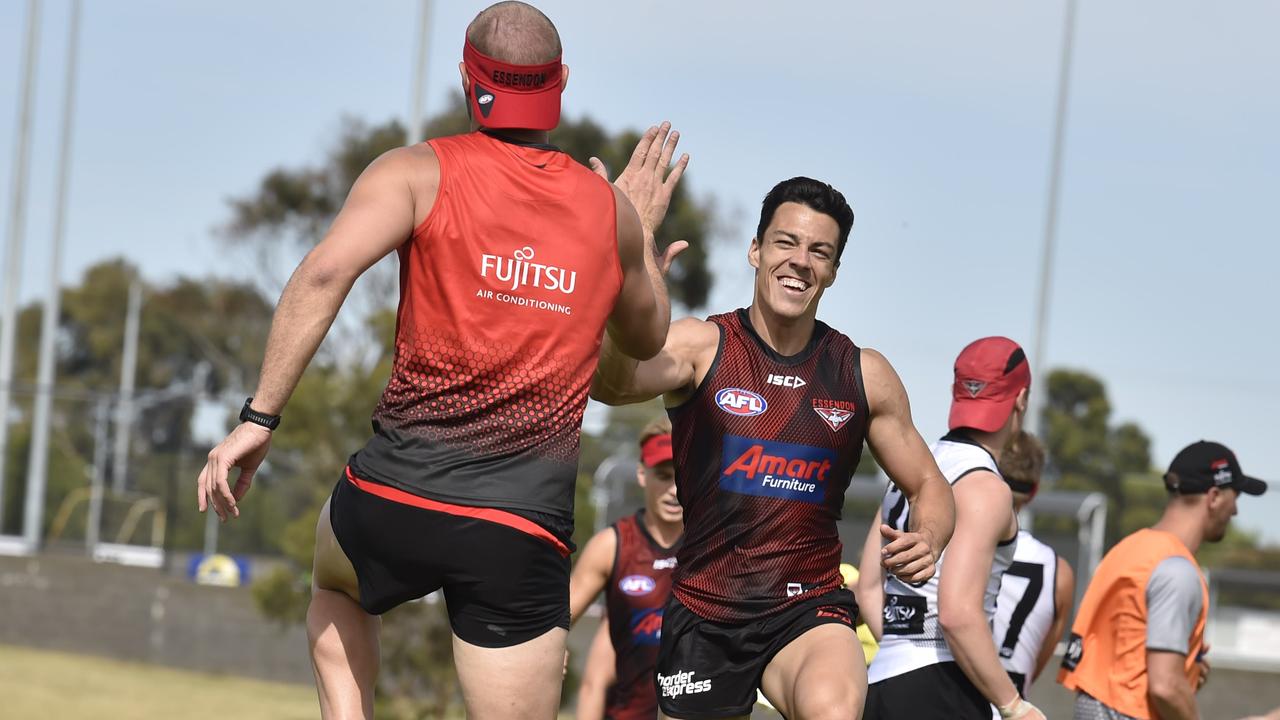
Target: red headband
pixel 656 449
pixel 503 95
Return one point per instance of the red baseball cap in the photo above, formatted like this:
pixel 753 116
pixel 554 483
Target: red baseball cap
pixel 655 450
pixel 989 375
pixel 504 95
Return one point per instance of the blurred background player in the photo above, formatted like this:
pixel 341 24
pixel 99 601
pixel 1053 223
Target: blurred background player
pixel 1038 590
pixel 936 658
pixel 1137 644
pixel 513 261
pixel 632 561
pixel 769 410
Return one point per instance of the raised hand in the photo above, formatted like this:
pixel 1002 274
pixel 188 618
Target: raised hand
pixel 909 556
pixel 649 179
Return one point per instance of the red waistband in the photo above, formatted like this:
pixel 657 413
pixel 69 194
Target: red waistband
pixel 502 517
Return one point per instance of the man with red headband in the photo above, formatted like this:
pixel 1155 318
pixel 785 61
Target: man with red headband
pixel 770 409
pixel 1038 590
pixel 632 562
pixel 937 658
pixel 514 261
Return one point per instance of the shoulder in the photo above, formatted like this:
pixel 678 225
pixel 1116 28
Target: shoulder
pixel 879 380
pixel 983 490
pixel 601 547
pixel 1174 575
pixel 691 333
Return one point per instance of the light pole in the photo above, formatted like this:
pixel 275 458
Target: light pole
pixel 1037 399
pixel 413 134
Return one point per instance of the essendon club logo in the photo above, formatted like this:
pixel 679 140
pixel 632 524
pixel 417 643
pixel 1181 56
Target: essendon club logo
pixel 742 403
pixel 769 468
pixel 834 413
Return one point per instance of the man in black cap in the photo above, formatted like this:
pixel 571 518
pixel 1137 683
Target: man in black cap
pixel 1137 647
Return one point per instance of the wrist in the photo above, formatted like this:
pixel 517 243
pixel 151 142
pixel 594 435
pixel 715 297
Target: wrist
pixel 1015 708
pixel 255 416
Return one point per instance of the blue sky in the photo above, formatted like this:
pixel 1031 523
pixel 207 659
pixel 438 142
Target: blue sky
pixel 933 118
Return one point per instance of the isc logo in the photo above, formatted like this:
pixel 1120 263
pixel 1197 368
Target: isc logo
pixel 790 381
pixel 737 401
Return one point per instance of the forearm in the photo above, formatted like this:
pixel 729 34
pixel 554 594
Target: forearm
pixel 591 699
pixel 1177 701
pixel 614 381
pixel 933 512
pixel 969 637
pixel 870 588
pixel 303 316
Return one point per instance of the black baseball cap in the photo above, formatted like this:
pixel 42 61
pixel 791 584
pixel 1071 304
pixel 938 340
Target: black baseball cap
pixel 1202 465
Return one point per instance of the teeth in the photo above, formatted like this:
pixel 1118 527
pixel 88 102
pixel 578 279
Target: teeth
pixel 793 283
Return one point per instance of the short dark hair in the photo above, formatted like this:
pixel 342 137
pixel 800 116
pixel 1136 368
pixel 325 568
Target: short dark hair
pixel 813 194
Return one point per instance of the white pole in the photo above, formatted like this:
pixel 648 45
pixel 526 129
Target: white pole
pixel 413 134
pixel 1037 400
pixel 128 374
pixel 13 250
pixel 93 526
pixel 38 464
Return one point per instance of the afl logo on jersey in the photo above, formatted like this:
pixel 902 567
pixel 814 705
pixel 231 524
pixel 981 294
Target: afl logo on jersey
pixel 744 403
pixel 637 585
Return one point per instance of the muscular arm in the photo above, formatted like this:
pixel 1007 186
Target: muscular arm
pixel 870 590
pixel 1064 598
pixel 984 506
pixel 598 674
pixel 621 379
pixel 591 573
pixel 1171 696
pixel 901 452
pixel 377 217
pixel 640 318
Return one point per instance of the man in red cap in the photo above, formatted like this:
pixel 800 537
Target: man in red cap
pixel 514 261
pixel 632 561
pixel 937 658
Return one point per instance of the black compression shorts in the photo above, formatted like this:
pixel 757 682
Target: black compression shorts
pixel 502 585
pixel 933 692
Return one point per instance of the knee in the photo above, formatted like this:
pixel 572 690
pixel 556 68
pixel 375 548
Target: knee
pixel 830 702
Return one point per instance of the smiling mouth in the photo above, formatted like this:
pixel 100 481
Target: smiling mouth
pixel 793 284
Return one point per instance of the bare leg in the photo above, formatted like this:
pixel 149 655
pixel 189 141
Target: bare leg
pixel 820 675
pixel 343 637
pixel 521 682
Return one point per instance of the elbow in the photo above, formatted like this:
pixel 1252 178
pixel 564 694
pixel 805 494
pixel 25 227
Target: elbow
pixel 1163 691
pixel 955 618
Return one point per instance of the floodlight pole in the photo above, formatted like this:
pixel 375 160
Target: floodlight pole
pixel 128 377
pixel 413 134
pixel 38 463
pixel 1036 401
pixel 13 249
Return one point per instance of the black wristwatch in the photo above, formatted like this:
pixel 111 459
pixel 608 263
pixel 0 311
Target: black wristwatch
pixel 248 414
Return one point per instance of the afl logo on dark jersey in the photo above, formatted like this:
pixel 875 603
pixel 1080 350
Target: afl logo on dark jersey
pixel 637 584
pixel 744 403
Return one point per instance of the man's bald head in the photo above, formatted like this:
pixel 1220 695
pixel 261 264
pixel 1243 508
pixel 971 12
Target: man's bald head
pixel 515 32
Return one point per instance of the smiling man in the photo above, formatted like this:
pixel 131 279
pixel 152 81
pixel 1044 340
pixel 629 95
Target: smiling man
pixel 769 410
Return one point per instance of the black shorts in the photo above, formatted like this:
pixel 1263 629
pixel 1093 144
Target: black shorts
pixel 933 692
pixel 708 669
pixel 502 586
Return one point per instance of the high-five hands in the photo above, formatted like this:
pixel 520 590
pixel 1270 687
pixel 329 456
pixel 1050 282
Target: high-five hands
pixel 649 180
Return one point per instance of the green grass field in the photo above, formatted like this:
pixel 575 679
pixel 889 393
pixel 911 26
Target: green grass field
pixel 41 684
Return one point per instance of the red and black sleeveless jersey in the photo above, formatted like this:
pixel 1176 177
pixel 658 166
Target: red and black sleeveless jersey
pixel 639 586
pixel 504 292
pixel 764 451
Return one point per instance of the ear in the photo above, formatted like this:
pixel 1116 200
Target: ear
pixel 753 253
pixel 835 270
pixel 564 77
pixel 640 474
pixel 1021 402
pixel 466 79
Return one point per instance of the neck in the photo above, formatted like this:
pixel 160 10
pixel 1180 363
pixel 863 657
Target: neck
pixel 542 137
pixel 1183 524
pixel 666 533
pixel 787 336
pixel 992 442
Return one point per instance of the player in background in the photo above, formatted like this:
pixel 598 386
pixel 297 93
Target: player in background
pixel 1038 590
pixel 632 561
pixel 1137 644
pixel 770 409
pixel 937 658
pixel 514 261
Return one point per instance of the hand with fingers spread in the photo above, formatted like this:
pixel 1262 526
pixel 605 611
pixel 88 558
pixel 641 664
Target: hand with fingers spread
pixel 649 179
pixel 244 448
pixel 908 555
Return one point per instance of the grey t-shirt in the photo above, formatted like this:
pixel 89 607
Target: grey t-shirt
pixel 1174 601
